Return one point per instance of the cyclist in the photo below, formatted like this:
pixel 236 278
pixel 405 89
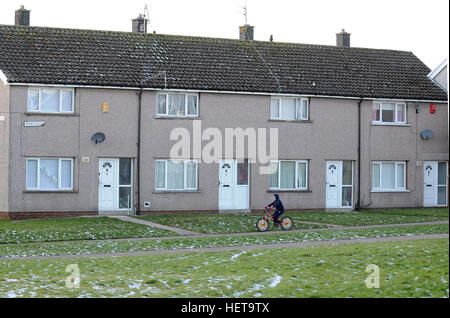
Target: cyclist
pixel 278 205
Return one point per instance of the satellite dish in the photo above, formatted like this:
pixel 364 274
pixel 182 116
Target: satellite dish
pixel 98 137
pixel 427 134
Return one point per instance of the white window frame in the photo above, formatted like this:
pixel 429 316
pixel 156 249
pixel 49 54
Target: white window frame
pixel 60 188
pixel 185 187
pixel 185 104
pixel 60 91
pixel 396 187
pixel 298 105
pixel 297 187
pixel 396 106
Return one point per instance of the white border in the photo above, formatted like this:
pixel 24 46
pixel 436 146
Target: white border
pixel 3 78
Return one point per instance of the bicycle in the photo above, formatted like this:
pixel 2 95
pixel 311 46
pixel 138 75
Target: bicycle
pixel 262 224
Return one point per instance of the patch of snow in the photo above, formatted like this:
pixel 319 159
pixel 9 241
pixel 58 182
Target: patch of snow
pixel 275 281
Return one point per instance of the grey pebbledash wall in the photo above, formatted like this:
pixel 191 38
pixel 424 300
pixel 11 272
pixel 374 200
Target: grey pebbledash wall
pixel 331 134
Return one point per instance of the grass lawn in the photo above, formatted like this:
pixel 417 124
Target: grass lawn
pixel 366 218
pixel 215 223
pixel 424 212
pixel 92 247
pixel 407 269
pixel 74 229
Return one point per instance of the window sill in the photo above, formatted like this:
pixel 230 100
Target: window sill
pixel 387 124
pixel 390 191
pixel 177 117
pixel 290 121
pixel 289 191
pixel 51 114
pixel 175 191
pixel 50 191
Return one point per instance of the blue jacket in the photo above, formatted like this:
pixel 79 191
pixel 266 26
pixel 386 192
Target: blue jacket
pixel 277 204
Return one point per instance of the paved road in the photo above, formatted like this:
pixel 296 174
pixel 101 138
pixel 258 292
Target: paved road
pixel 243 248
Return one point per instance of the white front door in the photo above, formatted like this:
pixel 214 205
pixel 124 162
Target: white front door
pixel 339 184
pixel 333 183
pixel 107 184
pixel 434 183
pixel 233 185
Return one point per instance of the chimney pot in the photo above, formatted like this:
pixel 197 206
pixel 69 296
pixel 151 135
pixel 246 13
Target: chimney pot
pixel 246 32
pixel 139 25
pixel 22 16
pixel 343 39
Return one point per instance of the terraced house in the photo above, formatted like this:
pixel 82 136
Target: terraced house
pixel 86 118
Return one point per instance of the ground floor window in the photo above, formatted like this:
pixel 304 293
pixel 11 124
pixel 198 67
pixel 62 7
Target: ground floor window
pixel 176 174
pixel 289 175
pixel 49 174
pixel 389 175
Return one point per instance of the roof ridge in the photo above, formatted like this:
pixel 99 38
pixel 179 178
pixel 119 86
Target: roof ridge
pixel 203 37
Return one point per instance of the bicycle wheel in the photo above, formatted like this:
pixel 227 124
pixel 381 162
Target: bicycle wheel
pixel 262 225
pixel 287 223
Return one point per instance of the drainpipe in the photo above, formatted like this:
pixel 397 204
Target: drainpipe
pixel 358 202
pixel 138 176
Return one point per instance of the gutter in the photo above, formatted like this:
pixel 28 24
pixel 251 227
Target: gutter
pixel 228 92
pixel 138 166
pixel 358 202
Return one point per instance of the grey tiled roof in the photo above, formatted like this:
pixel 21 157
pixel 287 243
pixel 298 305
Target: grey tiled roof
pixel 105 58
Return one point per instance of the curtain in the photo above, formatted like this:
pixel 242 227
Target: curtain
pixel 388 175
pixel 160 179
pixel 175 175
pixel 376 112
pixel 161 105
pixel 66 101
pixel 191 175
pixel 50 101
pixel 66 174
pixel 33 99
pixel 176 104
pixel 288 109
pixel 301 170
pixel 274 175
pixel 49 174
pixel 400 113
pixel 287 175
pixel 400 175
pixel 375 176
pixel 274 109
pixel 32 170
pixel 192 105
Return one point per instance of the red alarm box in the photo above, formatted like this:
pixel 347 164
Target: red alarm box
pixel 432 109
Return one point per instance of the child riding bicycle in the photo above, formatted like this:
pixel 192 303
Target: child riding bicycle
pixel 278 205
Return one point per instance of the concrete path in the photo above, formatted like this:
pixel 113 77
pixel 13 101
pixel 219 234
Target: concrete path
pixel 152 224
pixel 196 235
pixel 243 248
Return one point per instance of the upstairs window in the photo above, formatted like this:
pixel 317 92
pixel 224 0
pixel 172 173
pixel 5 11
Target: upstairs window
pixel 289 108
pixel 177 105
pixel 50 100
pixel 389 113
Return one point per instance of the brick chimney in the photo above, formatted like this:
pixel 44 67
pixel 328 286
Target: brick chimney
pixel 139 24
pixel 22 16
pixel 343 39
pixel 246 32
